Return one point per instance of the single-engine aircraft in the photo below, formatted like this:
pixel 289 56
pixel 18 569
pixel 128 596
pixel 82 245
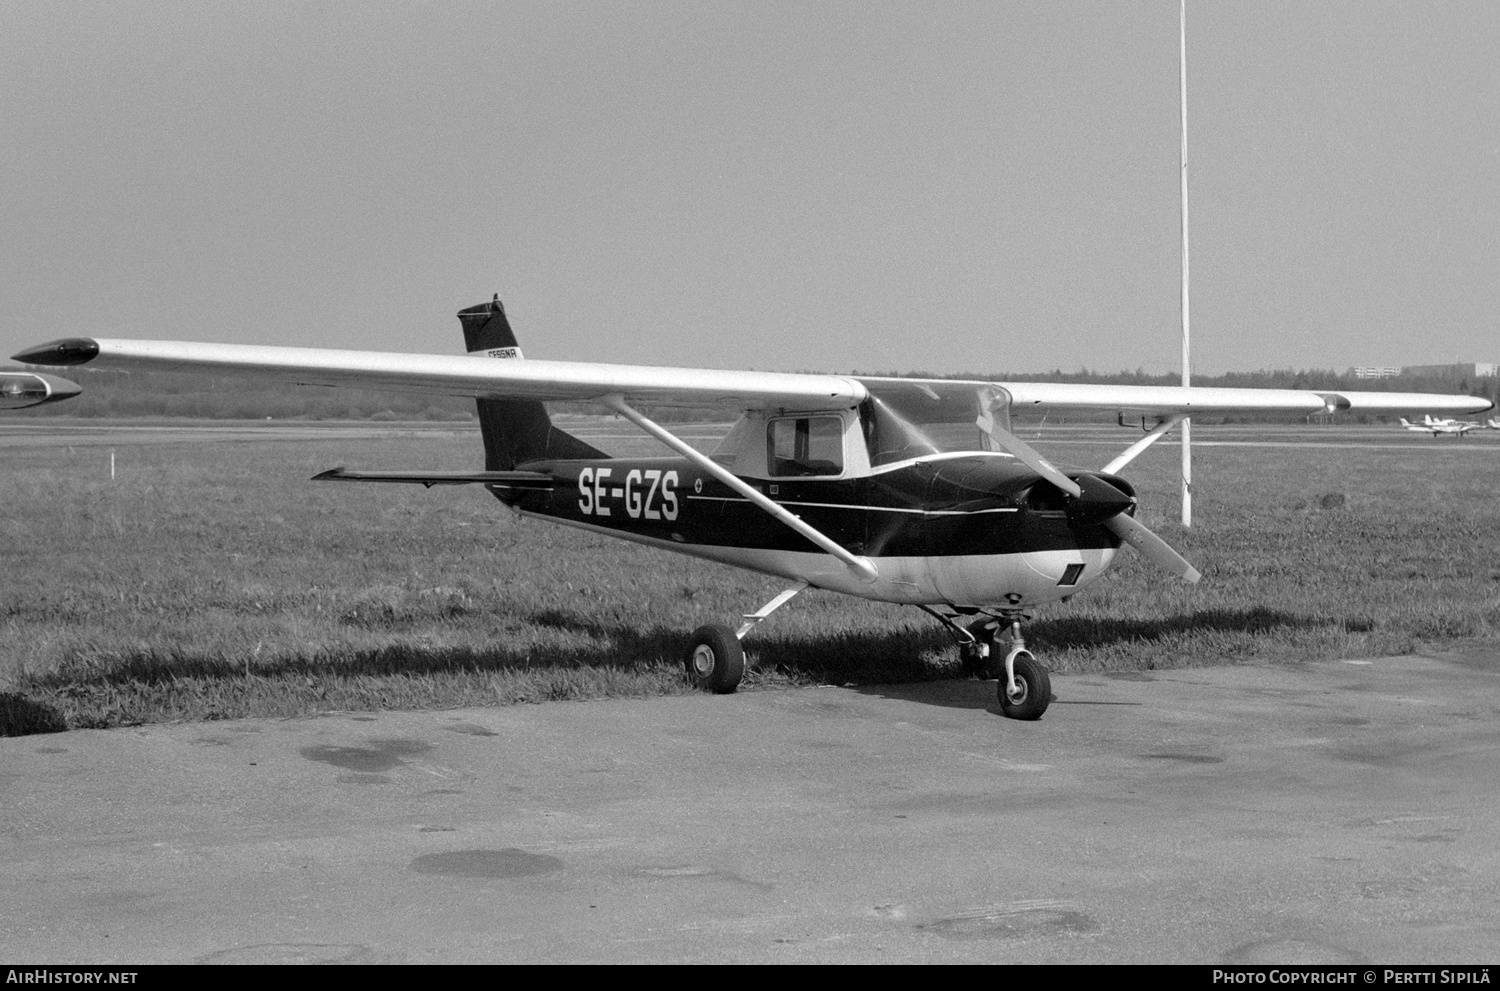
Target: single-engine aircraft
pixel 911 491
pixel 20 389
pixel 1438 427
pixel 1447 421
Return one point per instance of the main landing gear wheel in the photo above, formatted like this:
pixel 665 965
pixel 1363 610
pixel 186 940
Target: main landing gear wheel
pixel 716 660
pixel 1033 689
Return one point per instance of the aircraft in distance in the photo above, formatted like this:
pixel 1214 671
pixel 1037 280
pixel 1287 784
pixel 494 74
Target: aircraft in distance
pixel 910 491
pixel 20 389
pixel 1493 423
pixel 1436 427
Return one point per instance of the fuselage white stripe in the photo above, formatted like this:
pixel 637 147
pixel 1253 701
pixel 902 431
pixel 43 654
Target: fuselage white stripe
pixel 878 509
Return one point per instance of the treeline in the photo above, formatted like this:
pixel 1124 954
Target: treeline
pixel 114 394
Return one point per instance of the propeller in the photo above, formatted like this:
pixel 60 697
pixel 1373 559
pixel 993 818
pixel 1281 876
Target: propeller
pixel 1094 500
pixel 1155 549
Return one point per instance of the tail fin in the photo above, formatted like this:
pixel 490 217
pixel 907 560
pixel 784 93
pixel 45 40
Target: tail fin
pixel 515 431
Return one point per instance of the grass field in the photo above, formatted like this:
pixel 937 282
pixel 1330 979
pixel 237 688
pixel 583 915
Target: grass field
pixel 209 579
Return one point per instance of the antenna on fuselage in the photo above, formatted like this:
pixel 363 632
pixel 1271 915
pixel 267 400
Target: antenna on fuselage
pixel 1187 442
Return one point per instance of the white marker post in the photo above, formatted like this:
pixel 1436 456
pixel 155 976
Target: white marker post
pixel 1187 434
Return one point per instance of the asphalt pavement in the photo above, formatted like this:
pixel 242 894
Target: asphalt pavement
pixel 1334 812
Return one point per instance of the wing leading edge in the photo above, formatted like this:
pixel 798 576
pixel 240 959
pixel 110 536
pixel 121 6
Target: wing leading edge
pixel 456 375
pixel 1162 401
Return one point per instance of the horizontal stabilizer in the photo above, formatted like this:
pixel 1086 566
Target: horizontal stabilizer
pixel 507 479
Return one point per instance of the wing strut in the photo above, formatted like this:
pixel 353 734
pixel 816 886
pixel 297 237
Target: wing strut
pixel 862 567
pixel 1128 455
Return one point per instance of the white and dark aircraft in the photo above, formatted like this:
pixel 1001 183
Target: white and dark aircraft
pixel 1493 423
pixel 1438 427
pixel 909 491
pixel 20 389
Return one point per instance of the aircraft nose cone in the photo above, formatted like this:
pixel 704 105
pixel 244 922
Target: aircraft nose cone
pixel 1098 501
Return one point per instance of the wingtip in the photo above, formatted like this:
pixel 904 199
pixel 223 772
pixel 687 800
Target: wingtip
pixel 21 389
pixel 67 351
pixel 59 388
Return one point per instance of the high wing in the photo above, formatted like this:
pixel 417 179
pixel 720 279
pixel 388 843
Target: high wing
pixel 462 375
pixel 1162 401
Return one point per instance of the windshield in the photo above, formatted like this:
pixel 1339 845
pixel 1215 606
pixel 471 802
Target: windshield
pixel 912 420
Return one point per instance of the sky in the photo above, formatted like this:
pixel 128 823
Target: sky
pixel 831 186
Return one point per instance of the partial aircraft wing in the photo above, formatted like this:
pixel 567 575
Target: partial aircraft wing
pixel 482 377
pixel 463 375
pixel 18 389
pixel 1162 401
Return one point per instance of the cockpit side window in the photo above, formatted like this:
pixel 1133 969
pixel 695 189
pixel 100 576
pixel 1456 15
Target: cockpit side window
pixel 805 445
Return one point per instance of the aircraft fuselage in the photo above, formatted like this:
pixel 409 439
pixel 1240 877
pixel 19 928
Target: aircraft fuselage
pixel 966 530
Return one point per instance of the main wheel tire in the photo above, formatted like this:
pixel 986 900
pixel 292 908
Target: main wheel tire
pixel 1034 689
pixel 716 660
pixel 969 660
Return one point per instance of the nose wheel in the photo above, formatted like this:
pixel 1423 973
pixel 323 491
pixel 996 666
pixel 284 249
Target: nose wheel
pixel 1023 688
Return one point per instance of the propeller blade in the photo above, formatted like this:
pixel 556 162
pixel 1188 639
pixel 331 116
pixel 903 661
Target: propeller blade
pixel 1155 549
pixel 1029 456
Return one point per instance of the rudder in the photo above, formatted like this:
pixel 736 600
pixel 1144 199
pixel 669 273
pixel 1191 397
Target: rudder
pixel 515 431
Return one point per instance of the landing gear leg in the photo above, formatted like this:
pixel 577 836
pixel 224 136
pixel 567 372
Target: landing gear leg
pixel 976 646
pixel 751 619
pixel 976 657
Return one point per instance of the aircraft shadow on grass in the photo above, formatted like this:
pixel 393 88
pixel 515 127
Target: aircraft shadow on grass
pixel 848 656
pixel 21 716
pixel 894 664
pixel 1149 641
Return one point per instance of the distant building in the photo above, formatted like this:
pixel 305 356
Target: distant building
pixel 1373 372
pixel 1470 369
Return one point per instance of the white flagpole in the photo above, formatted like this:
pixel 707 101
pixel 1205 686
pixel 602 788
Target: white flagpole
pixel 1187 442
